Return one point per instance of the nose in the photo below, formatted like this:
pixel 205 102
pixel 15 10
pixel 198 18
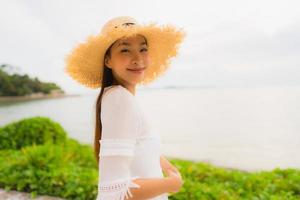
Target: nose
pixel 136 58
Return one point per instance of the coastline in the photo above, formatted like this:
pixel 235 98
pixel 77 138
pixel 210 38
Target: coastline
pixel 35 96
pixel 215 165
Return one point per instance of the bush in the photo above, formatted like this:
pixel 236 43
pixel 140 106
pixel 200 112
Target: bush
pixel 29 131
pixel 207 182
pixel 67 170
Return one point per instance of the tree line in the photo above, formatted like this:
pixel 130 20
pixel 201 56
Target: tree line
pixel 14 84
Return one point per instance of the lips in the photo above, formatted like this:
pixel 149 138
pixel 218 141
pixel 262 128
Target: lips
pixel 137 70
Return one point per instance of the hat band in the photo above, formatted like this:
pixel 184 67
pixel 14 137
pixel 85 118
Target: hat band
pixel 126 24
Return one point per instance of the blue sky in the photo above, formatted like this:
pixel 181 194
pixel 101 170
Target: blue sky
pixel 231 43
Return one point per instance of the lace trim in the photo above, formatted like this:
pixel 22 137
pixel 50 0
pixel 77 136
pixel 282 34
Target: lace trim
pixel 116 190
pixel 110 147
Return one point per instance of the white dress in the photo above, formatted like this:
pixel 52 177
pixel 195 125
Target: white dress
pixel 129 148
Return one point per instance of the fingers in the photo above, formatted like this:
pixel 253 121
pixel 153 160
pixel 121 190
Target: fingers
pixel 177 174
pixel 175 170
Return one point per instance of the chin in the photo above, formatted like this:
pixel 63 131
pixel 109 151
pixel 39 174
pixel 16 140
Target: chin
pixel 135 82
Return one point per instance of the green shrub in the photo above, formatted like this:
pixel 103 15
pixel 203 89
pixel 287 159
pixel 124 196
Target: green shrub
pixel 204 181
pixel 29 131
pixel 69 171
pixel 66 170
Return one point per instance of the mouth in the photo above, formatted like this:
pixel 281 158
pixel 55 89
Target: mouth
pixel 137 70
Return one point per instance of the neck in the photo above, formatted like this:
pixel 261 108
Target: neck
pixel 129 87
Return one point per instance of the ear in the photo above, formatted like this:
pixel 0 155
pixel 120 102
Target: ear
pixel 107 62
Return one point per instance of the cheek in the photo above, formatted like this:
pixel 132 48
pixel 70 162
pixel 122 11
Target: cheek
pixel 147 60
pixel 121 62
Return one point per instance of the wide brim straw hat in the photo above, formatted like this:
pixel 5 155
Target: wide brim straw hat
pixel 86 61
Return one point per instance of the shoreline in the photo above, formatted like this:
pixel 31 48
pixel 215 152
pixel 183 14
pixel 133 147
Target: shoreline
pixel 223 166
pixel 34 97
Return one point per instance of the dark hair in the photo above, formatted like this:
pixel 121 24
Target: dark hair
pixel 107 80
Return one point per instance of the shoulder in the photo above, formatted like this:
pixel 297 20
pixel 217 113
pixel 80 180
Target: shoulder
pixel 117 95
pixel 120 115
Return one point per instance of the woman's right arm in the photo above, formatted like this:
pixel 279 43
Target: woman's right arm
pixel 152 187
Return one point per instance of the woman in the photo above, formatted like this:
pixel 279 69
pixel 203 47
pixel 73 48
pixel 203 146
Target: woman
pixel 122 56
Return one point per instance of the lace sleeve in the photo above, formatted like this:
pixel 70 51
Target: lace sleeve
pixel 117 145
pixel 115 179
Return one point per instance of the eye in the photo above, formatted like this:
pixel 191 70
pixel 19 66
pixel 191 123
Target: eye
pixel 144 49
pixel 124 50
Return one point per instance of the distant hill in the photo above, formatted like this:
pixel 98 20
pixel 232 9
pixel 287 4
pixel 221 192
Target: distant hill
pixel 14 84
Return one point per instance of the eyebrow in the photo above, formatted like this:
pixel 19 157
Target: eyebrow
pixel 128 44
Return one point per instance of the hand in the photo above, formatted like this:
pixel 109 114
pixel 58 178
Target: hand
pixel 173 169
pixel 176 180
pixel 166 165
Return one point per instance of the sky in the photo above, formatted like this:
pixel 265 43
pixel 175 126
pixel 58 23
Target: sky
pixel 233 43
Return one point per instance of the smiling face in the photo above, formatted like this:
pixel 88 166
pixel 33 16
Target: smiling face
pixel 128 60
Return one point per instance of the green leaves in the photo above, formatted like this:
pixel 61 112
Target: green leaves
pixel 30 131
pixel 37 157
pixel 49 169
pixel 204 181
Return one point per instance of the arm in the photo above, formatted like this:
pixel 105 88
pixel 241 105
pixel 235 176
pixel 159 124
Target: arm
pixel 116 183
pixel 166 165
pixel 151 187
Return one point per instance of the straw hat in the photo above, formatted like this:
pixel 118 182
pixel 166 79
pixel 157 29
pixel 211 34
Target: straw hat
pixel 85 62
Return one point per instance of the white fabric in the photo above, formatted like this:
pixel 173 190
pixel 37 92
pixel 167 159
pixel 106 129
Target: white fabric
pixel 129 148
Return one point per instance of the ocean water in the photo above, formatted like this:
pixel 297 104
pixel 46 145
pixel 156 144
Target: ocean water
pixel 245 128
